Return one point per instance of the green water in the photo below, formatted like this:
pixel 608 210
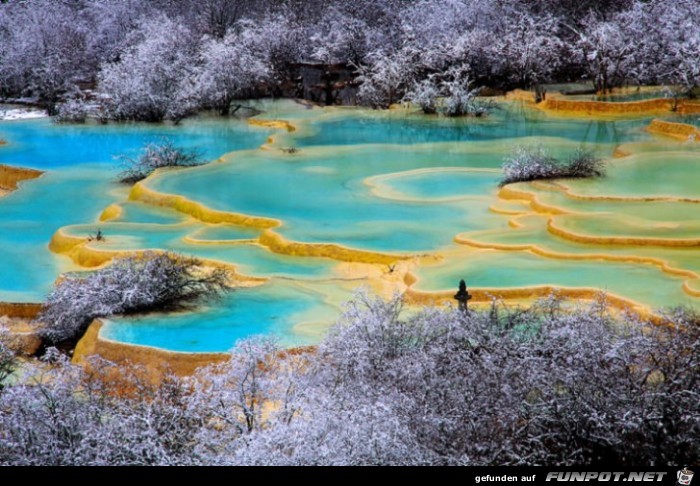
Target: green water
pixel 622 97
pixel 388 182
pixel 496 270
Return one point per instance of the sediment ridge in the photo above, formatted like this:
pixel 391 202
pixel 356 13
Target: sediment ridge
pixel 488 295
pixel 158 362
pixel 679 131
pixel 619 108
pixel 197 210
pixel 278 244
pixel 83 254
pixel 11 176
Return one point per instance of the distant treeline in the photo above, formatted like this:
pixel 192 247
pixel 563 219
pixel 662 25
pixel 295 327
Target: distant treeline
pixel 166 59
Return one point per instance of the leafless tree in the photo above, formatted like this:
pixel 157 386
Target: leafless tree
pixel 151 281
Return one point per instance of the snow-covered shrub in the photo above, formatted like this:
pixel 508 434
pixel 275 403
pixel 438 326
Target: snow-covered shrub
pixel 156 156
pixel 71 111
pixel 103 414
pixel 151 281
pixel 386 78
pixel 529 163
pixel 8 361
pixel 426 95
pixel 150 80
pixel 536 163
pixel 554 384
pixel 461 99
pixel 449 94
pixel 230 69
pixel 583 163
pixel 543 385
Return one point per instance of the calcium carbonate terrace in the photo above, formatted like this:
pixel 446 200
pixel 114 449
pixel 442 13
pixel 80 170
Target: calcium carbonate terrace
pixel 391 201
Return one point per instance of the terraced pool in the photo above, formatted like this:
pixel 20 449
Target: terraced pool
pixel 391 201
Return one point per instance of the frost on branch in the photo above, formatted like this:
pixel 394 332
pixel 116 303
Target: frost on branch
pixel 156 156
pixel 8 361
pixel 544 385
pixel 231 68
pixel 552 384
pixel 72 111
pixel 151 281
pixel 536 163
pixel 150 80
pixel 451 94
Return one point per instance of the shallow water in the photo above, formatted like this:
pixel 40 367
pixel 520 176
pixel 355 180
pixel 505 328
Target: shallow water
pixel 276 309
pixel 78 184
pixel 385 184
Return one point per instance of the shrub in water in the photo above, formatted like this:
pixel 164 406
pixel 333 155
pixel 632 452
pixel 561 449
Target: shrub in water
pixel 535 163
pixel 152 281
pixel 156 156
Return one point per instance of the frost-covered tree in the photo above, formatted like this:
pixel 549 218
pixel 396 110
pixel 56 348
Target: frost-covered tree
pixel 553 384
pixel 279 41
pixel 67 415
pixel 150 80
pixel 686 70
pixel 42 49
pixel 348 32
pixel 150 281
pixel 574 11
pixel 539 386
pixel 230 68
pixel 671 40
pixel 449 94
pixel 605 50
pixel 111 22
pixel 217 18
pixel 387 77
pixel 8 361
pixel 255 389
pixel 51 48
pixel 147 54
pixel 665 36
pixel 529 49
pixel 154 156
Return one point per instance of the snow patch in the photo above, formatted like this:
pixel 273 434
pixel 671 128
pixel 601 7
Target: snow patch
pixel 21 114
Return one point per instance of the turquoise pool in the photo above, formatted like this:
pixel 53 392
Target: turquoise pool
pixel 364 188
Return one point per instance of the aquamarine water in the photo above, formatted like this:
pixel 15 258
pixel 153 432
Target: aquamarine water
pixel 275 309
pixel 391 183
pixel 78 184
pixel 508 121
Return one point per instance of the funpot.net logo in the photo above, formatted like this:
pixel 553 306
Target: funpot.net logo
pixel 684 476
pixel 567 476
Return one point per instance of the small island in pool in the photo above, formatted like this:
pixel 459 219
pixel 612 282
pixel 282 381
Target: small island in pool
pixel 333 217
